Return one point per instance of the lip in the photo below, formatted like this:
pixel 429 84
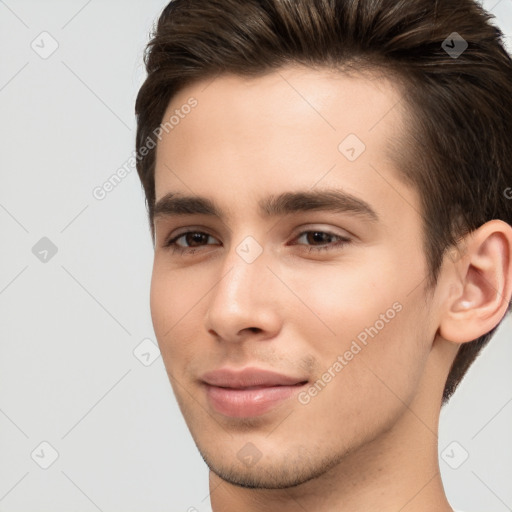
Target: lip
pixel 248 377
pixel 249 392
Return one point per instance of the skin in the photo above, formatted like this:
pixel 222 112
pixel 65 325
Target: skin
pixel 368 440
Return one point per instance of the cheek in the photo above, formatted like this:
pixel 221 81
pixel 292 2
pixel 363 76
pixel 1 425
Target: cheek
pixel 371 320
pixel 339 302
pixel 175 306
pixel 362 388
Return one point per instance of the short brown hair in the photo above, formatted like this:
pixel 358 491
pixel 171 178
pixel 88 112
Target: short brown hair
pixel 458 152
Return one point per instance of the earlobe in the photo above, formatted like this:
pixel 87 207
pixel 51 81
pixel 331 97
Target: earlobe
pixel 481 284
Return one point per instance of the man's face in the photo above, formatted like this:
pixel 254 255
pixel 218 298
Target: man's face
pixel 333 300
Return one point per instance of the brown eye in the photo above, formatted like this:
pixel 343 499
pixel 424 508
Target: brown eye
pixel 189 240
pixel 322 240
pixel 195 239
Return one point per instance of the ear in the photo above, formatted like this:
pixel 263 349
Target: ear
pixel 479 284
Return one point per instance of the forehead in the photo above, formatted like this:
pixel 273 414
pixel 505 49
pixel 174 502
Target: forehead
pixel 363 95
pixel 294 127
pixel 358 100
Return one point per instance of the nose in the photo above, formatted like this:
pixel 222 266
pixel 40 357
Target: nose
pixel 244 302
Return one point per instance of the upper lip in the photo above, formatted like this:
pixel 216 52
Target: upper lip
pixel 248 377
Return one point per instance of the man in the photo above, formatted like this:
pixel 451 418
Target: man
pixel 326 183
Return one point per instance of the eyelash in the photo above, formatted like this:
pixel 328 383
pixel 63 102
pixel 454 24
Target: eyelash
pixel 342 241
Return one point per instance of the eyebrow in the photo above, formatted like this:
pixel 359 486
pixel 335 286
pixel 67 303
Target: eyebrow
pixel 333 200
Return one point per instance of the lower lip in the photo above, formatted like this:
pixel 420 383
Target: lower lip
pixel 246 403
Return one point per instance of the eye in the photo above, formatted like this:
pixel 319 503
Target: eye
pixel 192 239
pixel 315 240
pixel 322 240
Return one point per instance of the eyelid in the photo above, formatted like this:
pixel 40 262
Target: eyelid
pixel 170 242
pixel 300 230
pixel 173 234
pixel 322 228
pixel 342 241
pixel 171 239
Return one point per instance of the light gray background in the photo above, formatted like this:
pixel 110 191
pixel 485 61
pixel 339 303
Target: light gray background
pixel 69 327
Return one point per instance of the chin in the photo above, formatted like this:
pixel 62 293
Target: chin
pixel 282 472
